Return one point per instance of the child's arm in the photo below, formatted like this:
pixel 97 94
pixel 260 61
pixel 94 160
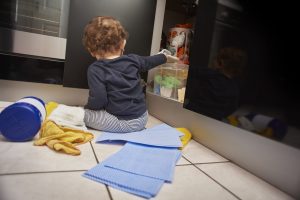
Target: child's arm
pixel 168 54
pixel 149 62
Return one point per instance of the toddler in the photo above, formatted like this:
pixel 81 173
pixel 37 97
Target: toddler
pixel 116 101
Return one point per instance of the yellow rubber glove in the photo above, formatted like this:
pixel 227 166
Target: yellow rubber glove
pixel 186 137
pixel 62 139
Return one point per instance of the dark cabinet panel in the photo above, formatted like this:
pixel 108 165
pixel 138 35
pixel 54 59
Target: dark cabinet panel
pixel 135 15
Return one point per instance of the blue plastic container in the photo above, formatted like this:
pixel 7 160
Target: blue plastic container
pixel 22 120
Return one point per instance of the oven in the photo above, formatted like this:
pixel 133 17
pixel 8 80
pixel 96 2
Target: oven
pixel 33 39
pixel 34 27
pixel 218 26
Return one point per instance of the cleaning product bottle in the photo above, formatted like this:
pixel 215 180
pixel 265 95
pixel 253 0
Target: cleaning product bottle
pixel 22 120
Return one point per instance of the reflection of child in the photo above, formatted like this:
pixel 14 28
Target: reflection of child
pixel 217 90
pixel 116 100
pixel 229 61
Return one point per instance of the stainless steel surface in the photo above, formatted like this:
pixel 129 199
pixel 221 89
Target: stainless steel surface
pixel 34 27
pixel 14 41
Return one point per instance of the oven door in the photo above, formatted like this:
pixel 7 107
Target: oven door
pixel 34 27
pixel 207 92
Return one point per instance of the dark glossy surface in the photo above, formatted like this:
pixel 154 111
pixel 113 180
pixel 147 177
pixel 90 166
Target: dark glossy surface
pixel 31 69
pixel 268 85
pixel 136 16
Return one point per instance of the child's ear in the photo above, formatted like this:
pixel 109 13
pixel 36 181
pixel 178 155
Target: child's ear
pixel 124 44
pixel 92 54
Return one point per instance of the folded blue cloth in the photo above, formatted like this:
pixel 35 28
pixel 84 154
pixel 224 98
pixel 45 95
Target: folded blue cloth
pixel 143 164
pixel 161 135
pixel 155 162
pixel 139 185
pixel 164 127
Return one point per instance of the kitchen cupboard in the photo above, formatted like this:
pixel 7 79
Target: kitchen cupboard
pixel 136 16
pixel 176 33
pixel 266 41
pixel 261 94
pixel 214 25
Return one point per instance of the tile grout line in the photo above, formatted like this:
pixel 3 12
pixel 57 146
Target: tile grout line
pixel 106 186
pixel 94 153
pixel 45 172
pixel 186 159
pixel 213 150
pixel 214 179
pixel 260 178
pixel 192 163
pixel 108 191
pixel 207 163
pixel 184 165
pixel 218 183
pixel 240 167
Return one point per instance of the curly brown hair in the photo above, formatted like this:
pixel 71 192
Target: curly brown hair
pixel 104 35
pixel 231 61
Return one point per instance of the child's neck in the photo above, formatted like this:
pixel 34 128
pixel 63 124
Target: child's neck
pixel 110 55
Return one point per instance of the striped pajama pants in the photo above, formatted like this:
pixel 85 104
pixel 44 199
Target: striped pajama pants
pixel 102 120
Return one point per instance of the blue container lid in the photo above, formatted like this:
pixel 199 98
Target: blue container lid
pixel 20 122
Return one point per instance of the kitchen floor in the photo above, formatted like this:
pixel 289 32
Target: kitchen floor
pixel 30 172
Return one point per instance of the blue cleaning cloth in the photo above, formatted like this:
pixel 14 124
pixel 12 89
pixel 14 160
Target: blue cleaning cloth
pixel 139 185
pixel 164 127
pixel 144 160
pixel 161 135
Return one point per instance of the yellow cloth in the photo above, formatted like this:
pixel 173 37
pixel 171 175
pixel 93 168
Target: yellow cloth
pixel 186 137
pixel 59 138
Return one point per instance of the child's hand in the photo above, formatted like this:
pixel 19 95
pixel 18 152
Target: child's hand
pixel 170 58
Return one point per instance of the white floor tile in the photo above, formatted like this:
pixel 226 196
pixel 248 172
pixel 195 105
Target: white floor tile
pixel 197 153
pixel 242 183
pixel 189 183
pixel 152 121
pixel 20 157
pixel 51 186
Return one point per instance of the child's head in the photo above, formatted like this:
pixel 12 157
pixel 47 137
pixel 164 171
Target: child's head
pixel 230 61
pixel 104 36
